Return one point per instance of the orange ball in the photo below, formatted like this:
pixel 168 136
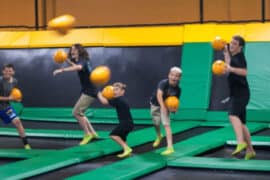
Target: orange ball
pixel 62 23
pixel 107 92
pixel 16 94
pixel 60 56
pixel 100 75
pixel 172 103
pixel 219 67
pixel 219 44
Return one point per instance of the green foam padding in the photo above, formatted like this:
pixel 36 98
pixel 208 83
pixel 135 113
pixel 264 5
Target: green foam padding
pixel 127 169
pixel 63 114
pixel 217 116
pixel 221 163
pixel 258 115
pixel 196 80
pixel 50 114
pixel 190 114
pixel 18 107
pixel 215 124
pixel 111 113
pixel 252 116
pixel 191 146
pixel 22 153
pixel 48 133
pixel 257 54
pixel 148 135
pixel 122 173
pixel 77 154
pixel 140 116
pixel 255 140
pixel 41 164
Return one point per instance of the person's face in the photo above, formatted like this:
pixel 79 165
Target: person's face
pixel 8 72
pixel 235 47
pixel 74 53
pixel 118 91
pixel 174 78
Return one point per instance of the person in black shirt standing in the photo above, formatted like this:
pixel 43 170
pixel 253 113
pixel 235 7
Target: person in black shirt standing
pixel 120 133
pixel 159 112
pixel 79 61
pixel 236 67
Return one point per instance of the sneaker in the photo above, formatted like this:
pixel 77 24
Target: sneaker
pixel 250 155
pixel 168 151
pixel 157 141
pixel 95 136
pixel 27 147
pixel 240 147
pixel 86 139
pixel 127 152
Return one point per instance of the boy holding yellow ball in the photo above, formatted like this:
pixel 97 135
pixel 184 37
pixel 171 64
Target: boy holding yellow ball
pixel 120 133
pixel 7 113
pixel 160 112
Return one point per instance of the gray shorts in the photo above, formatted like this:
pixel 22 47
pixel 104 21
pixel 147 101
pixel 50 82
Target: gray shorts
pixel 82 104
pixel 158 117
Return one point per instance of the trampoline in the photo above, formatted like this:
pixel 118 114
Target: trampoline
pixel 106 160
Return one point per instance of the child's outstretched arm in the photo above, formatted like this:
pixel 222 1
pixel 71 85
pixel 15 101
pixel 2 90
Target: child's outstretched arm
pixel 102 99
pixel 74 67
pixel 8 98
pixel 3 98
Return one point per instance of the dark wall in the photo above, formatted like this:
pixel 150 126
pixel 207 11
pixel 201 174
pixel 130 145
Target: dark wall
pixel 220 88
pixel 139 67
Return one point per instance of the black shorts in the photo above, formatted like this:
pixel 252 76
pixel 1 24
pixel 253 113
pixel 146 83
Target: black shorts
pixel 237 107
pixel 122 131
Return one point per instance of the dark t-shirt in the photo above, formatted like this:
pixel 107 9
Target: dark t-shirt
pixel 238 84
pixel 5 89
pixel 123 110
pixel 167 90
pixel 87 87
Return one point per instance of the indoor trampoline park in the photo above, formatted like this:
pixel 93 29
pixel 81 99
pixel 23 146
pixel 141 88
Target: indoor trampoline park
pixel 155 89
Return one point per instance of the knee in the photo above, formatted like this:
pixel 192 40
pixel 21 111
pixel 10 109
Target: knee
pixel 75 113
pixel 113 137
pixel 17 122
pixel 167 126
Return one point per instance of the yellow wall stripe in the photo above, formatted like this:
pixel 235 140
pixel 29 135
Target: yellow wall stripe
pixel 135 36
pixel 144 36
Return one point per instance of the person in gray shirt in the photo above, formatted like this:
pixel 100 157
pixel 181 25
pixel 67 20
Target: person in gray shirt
pixel 7 113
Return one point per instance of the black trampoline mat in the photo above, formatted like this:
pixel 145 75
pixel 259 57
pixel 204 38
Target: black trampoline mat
pixel 264 132
pixel 4 161
pixel 37 143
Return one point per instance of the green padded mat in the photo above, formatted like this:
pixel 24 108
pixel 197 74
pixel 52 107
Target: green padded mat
pixel 22 153
pixel 129 168
pixel 256 141
pixel 67 134
pixel 196 78
pixel 192 146
pixel 221 163
pixel 77 154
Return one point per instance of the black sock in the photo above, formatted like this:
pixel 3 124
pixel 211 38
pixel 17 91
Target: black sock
pixel 24 139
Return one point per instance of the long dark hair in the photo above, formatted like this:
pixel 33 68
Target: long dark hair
pixel 82 52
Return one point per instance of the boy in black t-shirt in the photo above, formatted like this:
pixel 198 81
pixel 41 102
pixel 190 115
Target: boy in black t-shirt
pixel 120 133
pixel 239 94
pixel 160 113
